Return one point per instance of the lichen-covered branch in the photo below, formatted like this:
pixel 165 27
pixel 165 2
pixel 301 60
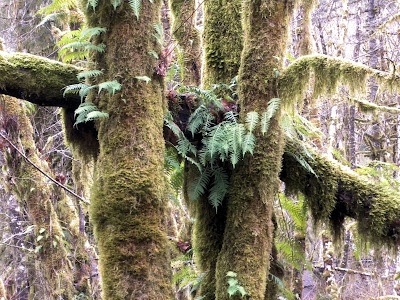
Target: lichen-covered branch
pixel 336 192
pixel 38 80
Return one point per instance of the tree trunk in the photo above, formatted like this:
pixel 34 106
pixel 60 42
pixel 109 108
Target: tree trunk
pixel 31 187
pixel 128 206
pixel 248 236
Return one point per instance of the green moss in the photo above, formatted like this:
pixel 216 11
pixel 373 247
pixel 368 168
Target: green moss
pixel 328 73
pixel 338 192
pixel 37 196
pixel 188 38
pixel 248 235
pixel 128 197
pixel 222 19
pixel 37 79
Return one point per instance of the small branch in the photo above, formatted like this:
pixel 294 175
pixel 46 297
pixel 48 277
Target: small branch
pixel 14 246
pixel 44 173
pixel 351 271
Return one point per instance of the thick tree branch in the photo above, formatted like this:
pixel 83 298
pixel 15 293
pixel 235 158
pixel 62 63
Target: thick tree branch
pixel 336 192
pixel 38 80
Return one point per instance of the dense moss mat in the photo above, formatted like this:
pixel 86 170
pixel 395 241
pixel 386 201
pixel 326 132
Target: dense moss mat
pixel 336 192
pixel 38 80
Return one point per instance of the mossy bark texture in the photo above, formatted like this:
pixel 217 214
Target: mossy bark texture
pixel 248 236
pixel 128 206
pixel 32 190
pixel 37 79
pixel 222 40
pixel 336 192
pixel 188 38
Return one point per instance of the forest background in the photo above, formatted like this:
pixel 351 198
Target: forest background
pixel 48 248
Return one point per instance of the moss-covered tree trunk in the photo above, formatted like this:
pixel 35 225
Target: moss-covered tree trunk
pixel 188 38
pixel 128 194
pixel 248 236
pixel 222 60
pixel 222 40
pixel 53 269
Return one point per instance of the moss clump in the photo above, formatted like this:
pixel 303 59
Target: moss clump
pixel 337 192
pixel 328 73
pixel 37 79
pixel 222 19
pixel 188 38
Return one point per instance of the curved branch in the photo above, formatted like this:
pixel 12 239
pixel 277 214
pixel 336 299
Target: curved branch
pixel 336 192
pixel 38 80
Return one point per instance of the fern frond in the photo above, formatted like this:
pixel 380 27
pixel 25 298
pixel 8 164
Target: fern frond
pixel 252 120
pixel 220 187
pixel 110 86
pixel 200 184
pixel 299 158
pixel 116 3
pixel 273 106
pixel 51 17
pixel 94 115
pixel 231 116
pixel 249 143
pixel 135 5
pixel 85 108
pixel 85 91
pixel 88 74
pixel 184 146
pixel 88 33
pixel 74 88
pixel 93 4
pixel 58 5
pixel 159 33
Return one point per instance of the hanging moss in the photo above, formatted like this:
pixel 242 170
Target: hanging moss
pixel 222 40
pixel 337 192
pixel 328 73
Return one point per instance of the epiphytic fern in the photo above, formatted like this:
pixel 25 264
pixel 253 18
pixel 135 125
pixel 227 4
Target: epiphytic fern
pixel 86 112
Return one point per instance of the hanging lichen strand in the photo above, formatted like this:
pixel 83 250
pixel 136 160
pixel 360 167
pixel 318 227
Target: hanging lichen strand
pixel 188 39
pixel 222 40
pixel 128 194
pixel 248 235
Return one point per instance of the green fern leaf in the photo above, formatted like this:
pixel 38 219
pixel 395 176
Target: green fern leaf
pixel 90 73
pixel 273 107
pixel 74 88
pixel 252 120
pixel 154 54
pixel 94 115
pixel 85 108
pixel 249 143
pixel 88 33
pixel 200 184
pixel 220 187
pixel 135 5
pixel 110 86
pixel 143 78
pixel 116 3
pixel 93 3
pixel 85 91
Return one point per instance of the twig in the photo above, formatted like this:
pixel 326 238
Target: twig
pixel 44 173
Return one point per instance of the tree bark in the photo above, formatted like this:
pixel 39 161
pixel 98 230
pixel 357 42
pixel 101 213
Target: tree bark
pixel 37 79
pixel 248 236
pixel 128 205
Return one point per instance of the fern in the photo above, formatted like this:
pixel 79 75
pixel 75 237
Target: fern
pixel 199 186
pixel 88 33
pixel 85 91
pixel 86 112
pixel 88 74
pixel 58 5
pixel 234 286
pixel 252 120
pixel 116 3
pixel 74 88
pixel 273 106
pixel 135 5
pixel 288 294
pixel 219 188
pixel 159 33
pixel 110 86
pixel 92 3
pixel 249 143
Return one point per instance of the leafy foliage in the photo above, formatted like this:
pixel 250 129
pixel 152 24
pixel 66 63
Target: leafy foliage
pixel 87 111
pixel 186 274
pixel 234 286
